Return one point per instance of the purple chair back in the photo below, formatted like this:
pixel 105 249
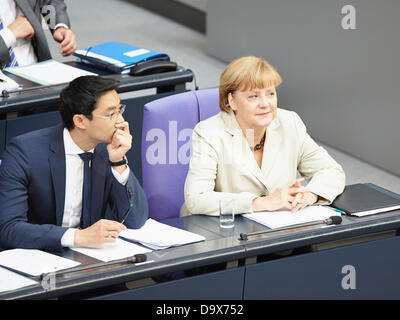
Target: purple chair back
pixel 166 147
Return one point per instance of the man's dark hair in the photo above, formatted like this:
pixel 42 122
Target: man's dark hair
pixel 81 96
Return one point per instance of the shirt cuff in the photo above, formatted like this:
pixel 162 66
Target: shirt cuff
pixel 8 37
pixel 61 25
pixel 121 178
pixel 67 240
pixel 244 203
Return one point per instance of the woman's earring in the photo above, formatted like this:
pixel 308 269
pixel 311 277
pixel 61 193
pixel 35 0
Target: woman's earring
pixel 228 104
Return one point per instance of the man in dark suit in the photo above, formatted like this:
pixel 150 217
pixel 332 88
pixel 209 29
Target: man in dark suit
pixel 70 185
pixel 22 38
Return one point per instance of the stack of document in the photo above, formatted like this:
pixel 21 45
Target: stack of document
pixel 34 262
pixel 48 72
pixel 157 235
pixel 119 249
pixel 7 83
pixel 11 281
pixel 282 218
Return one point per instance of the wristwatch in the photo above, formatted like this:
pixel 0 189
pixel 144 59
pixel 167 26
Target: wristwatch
pixel 119 163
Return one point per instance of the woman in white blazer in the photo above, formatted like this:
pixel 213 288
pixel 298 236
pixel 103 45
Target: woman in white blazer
pixel 251 150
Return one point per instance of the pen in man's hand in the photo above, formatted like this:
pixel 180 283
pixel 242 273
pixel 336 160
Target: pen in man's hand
pixel 126 213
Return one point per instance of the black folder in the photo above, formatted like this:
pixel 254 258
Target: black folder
pixel 361 200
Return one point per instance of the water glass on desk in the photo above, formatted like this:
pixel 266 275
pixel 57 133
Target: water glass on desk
pixel 226 213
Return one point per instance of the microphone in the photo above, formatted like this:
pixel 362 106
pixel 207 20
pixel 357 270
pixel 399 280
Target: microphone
pixel 137 258
pixel 331 220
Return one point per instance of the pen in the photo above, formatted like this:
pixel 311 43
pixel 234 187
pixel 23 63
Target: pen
pixel 337 210
pixel 126 213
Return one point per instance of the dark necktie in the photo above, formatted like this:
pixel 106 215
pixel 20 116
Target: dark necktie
pixel 86 194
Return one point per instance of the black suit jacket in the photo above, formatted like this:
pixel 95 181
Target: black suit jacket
pixel 32 9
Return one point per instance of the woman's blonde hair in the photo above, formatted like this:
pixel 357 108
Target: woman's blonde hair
pixel 246 73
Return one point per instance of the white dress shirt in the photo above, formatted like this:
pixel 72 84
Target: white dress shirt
pixel 23 49
pixel 74 188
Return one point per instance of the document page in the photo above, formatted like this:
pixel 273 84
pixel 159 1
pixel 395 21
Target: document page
pixel 49 72
pixel 282 218
pixel 113 251
pixel 11 281
pixel 34 262
pixel 6 83
pixel 157 235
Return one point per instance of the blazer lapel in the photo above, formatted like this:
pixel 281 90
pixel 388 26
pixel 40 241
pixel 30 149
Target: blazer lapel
pixel 272 148
pixel 57 168
pixel 27 9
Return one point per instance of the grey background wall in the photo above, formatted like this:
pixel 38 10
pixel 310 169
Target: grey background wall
pixel 344 84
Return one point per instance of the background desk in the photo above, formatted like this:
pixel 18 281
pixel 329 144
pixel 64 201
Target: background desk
pixel 252 269
pixel 34 109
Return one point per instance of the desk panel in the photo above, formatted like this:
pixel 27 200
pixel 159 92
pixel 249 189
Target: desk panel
pixel 362 271
pixel 18 126
pixel 211 223
pixel 307 275
pixel 227 284
pixel 2 136
pixel 212 252
pixel 35 98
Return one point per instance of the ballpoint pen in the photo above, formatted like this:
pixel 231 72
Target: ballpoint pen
pixel 126 213
pixel 337 210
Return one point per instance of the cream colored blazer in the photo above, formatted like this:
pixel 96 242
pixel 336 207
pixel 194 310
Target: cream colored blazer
pixel 222 164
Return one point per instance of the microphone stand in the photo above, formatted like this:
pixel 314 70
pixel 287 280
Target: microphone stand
pixel 137 258
pixel 329 221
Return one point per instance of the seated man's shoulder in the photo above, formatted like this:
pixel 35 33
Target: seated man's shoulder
pixel 34 141
pixel 36 136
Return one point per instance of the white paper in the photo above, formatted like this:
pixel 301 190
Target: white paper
pixel 119 249
pixel 34 262
pixel 374 211
pixel 157 235
pixel 136 52
pixel 7 83
pixel 49 72
pixel 278 219
pixel 11 281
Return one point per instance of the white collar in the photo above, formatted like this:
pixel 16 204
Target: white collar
pixel 70 146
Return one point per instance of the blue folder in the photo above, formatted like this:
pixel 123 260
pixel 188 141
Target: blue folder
pixel 117 57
